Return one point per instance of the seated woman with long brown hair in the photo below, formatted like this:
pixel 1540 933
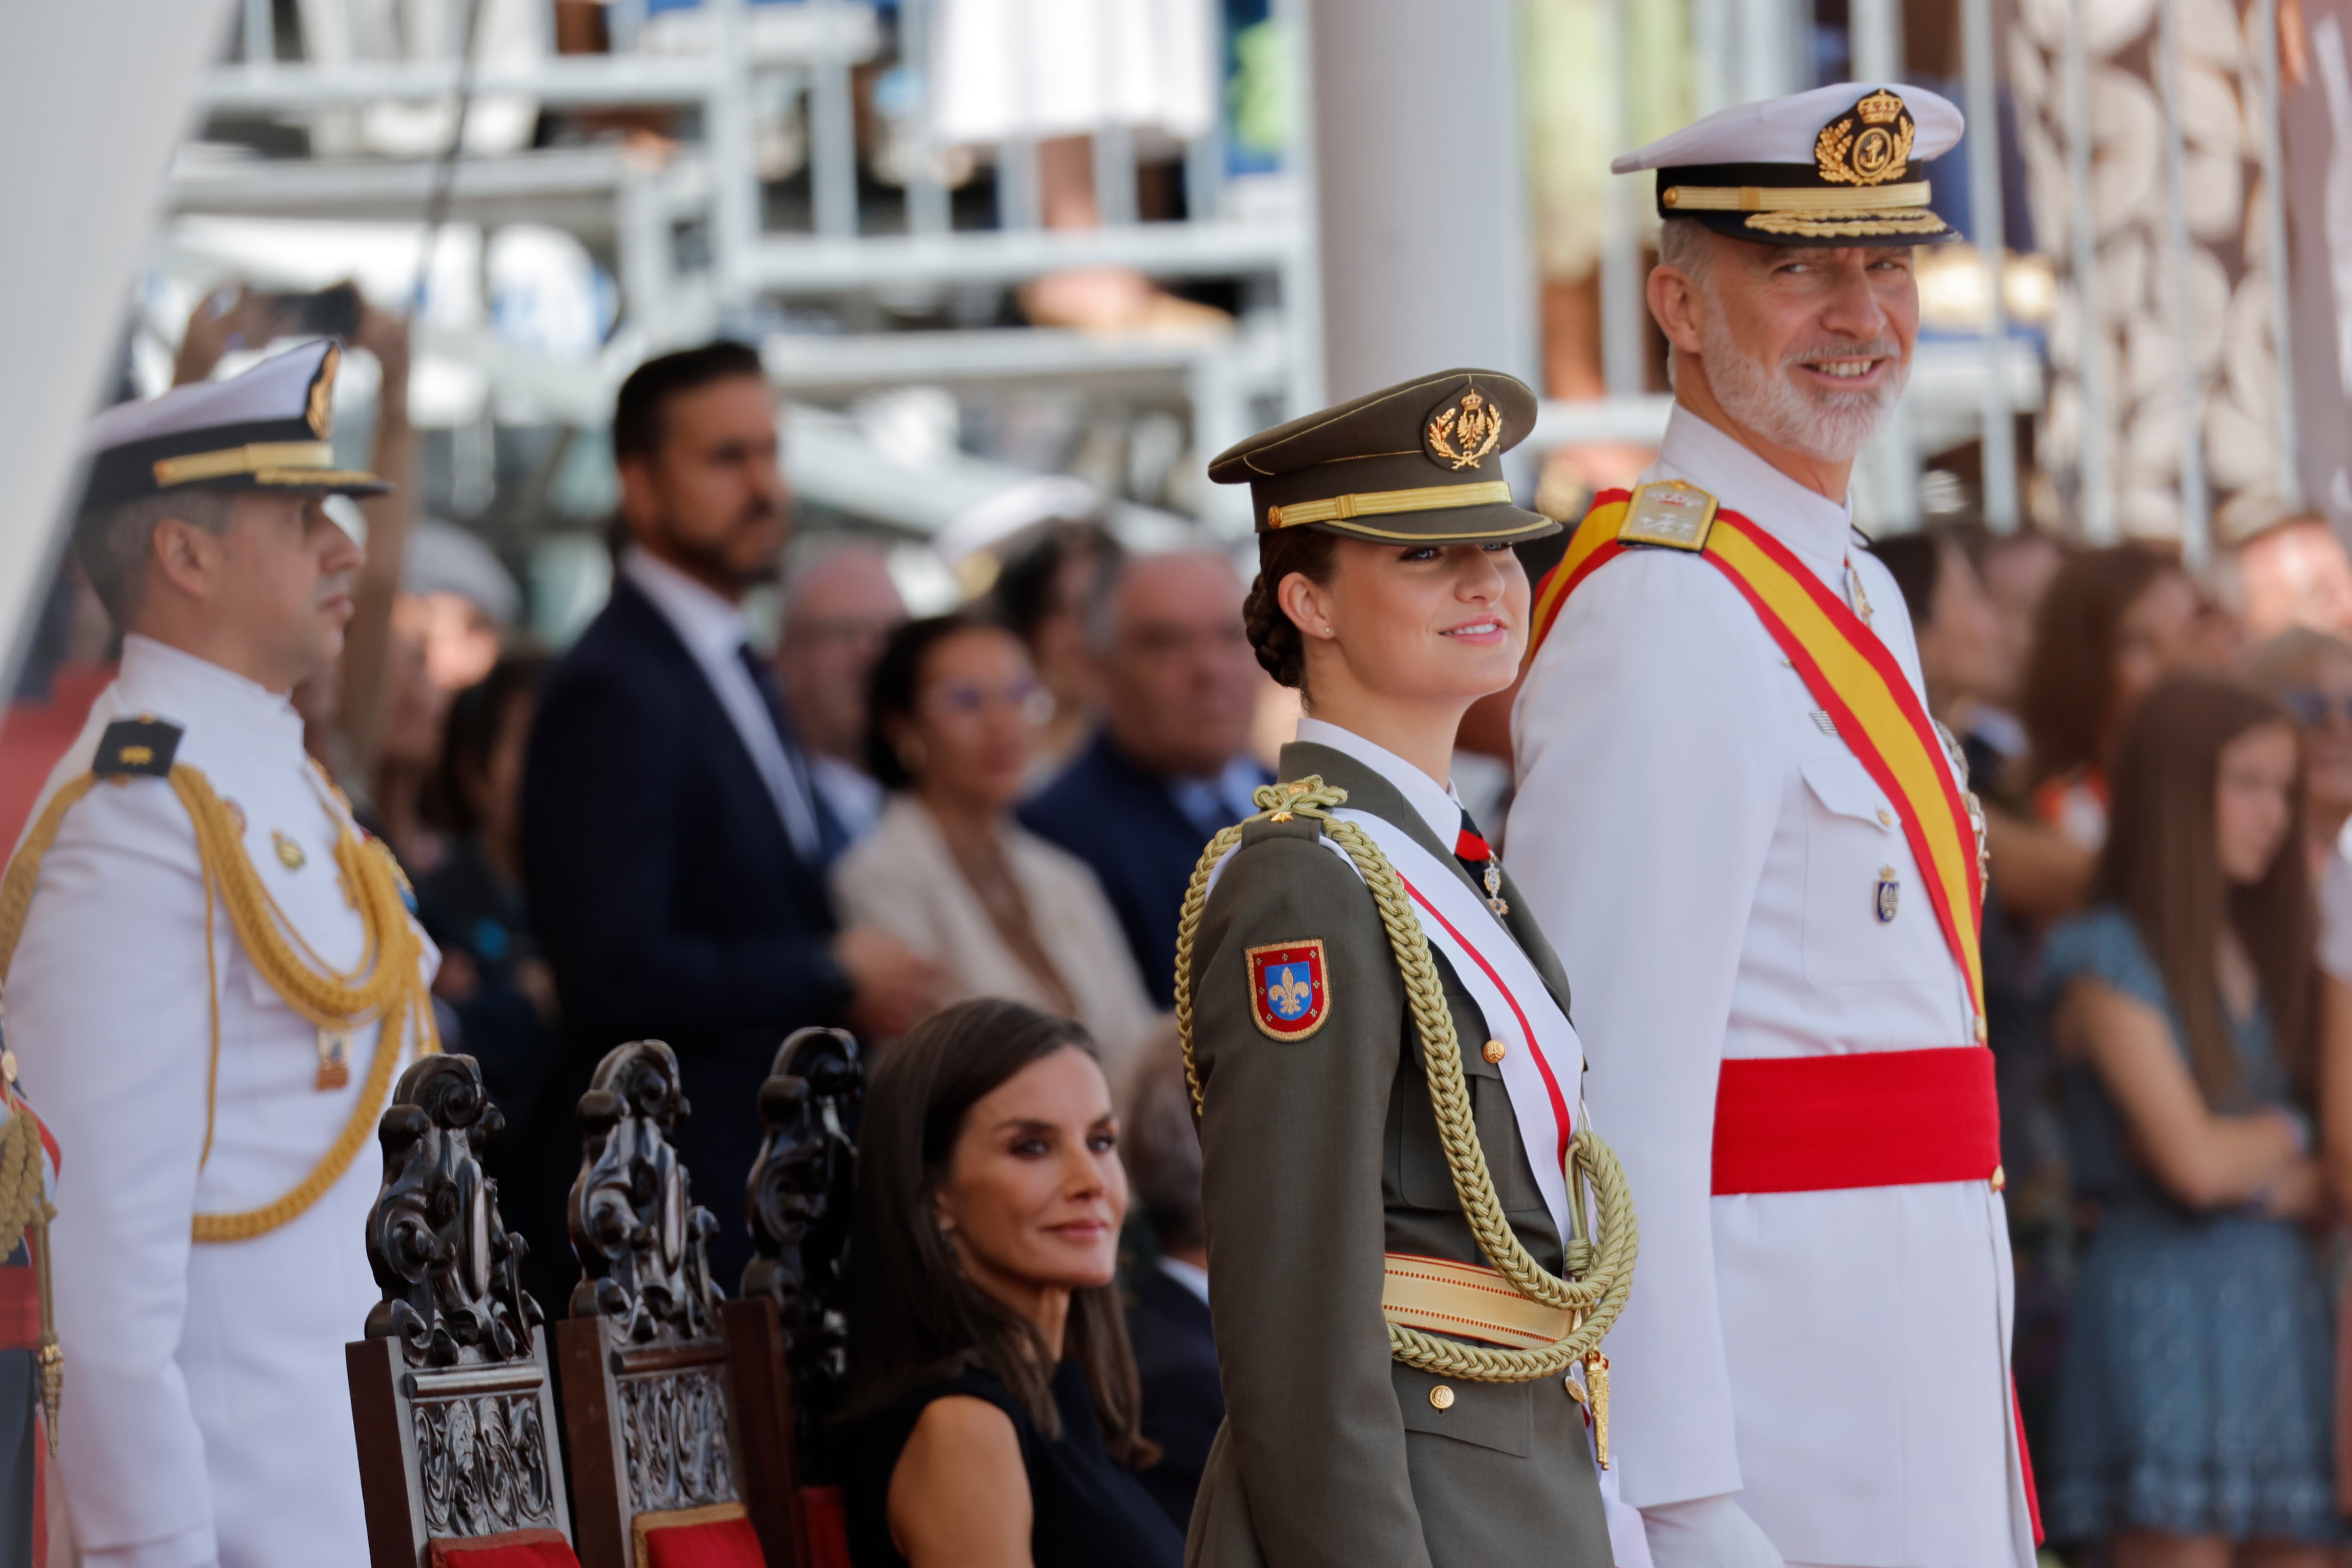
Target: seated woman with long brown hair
pixel 2193 1408
pixel 993 1405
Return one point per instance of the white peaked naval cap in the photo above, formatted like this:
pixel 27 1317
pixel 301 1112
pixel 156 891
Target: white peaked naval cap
pixel 1834 165
pixel 268 429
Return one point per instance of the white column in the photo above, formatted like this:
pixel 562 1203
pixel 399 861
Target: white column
pixel 1420 193
pixel 1875 39
pixel 1999 448
pixel 91 102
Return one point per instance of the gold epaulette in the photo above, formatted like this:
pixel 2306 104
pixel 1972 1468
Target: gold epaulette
pixel 1672 513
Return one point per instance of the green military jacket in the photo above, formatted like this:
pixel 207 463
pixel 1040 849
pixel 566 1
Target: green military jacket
pixel 1321 1154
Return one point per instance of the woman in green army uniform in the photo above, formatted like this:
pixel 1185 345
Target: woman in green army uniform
pixel 1414 1246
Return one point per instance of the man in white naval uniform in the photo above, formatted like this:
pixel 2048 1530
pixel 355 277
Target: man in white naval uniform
pixel 210 1252
pixel 1814 1364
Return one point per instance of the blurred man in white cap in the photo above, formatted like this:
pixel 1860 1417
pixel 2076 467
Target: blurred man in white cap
pixel 212 977
pixel 1759 859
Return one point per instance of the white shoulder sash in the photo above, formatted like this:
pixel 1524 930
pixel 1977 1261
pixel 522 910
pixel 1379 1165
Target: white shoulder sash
pixel 1543 1061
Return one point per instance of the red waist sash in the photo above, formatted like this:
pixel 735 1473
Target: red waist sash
pixel 1882 1118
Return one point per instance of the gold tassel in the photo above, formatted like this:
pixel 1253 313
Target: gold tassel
pixel 51 1357
pixel 1596 1380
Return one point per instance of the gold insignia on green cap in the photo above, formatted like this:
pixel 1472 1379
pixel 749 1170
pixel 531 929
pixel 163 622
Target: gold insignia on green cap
pixel 1464 431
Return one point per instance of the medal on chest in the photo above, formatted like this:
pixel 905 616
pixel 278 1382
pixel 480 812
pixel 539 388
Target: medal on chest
pixel 1890 895
pixel 334 1058
pixel 1472 847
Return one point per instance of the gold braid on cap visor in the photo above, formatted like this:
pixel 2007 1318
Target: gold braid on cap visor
pixel 1814 214
pixel 1386 503
pixel 261 458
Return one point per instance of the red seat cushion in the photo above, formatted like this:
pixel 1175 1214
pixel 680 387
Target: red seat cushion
pixel 508 1549
pixel 716 1537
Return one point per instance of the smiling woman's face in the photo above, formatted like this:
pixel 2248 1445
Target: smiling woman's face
pixel 1034 1194
pixel 1435 622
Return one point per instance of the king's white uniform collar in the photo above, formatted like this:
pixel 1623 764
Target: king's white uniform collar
pixel 207 699
pixel 1438 805
pixel 1803 518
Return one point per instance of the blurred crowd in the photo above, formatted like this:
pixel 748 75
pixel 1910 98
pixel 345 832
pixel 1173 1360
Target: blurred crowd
pixel 680 829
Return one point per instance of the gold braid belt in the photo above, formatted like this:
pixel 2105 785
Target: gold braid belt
pixel 1602 1271
pixel 386 987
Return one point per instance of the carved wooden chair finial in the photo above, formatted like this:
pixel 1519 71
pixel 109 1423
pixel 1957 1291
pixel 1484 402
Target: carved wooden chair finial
pixel 450 1397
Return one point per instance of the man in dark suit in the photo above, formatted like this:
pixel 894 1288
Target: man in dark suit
pixel 1172 765
pixel 1175 1347
pixel 673 849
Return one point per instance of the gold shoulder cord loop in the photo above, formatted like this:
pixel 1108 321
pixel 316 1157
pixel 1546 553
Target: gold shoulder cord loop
pixel 385 987
pixel 1603 1269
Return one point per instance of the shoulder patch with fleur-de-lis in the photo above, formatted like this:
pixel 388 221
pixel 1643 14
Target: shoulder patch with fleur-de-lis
pixel 1461 432
pixel 1289 996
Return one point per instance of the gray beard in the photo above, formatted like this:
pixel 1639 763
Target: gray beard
pixel 1831 427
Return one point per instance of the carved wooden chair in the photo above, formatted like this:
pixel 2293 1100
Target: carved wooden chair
pixel 788 1327
pixel 675 1459
pixel 450 1394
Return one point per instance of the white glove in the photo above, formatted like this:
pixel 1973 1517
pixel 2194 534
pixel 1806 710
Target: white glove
pixel 1708 1532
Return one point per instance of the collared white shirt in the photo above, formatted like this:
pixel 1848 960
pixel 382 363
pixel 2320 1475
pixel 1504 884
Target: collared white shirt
pixel 1224 797
pixel 715 632
pixel 1438 805
pixel 1820 530
pixel 854 796
pixel 1191 1276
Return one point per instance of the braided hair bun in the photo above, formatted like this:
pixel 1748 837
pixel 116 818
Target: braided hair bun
pixel 1274 637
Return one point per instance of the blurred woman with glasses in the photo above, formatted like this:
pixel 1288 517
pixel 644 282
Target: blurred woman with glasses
pixel 956 711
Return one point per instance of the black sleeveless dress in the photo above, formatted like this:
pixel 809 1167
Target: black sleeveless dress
pixel 1089 1511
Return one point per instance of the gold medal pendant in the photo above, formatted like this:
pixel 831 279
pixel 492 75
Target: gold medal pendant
pixel 1494 900
pixel 1596 1382
pixel 335 1059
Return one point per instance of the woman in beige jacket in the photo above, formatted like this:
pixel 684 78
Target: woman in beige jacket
pixel 956 708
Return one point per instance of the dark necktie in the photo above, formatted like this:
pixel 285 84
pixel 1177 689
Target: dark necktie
pixel 1477 858
pixel 832 838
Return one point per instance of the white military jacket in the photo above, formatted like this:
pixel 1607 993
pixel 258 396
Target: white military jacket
pixel 207 1415
pixel 1703 852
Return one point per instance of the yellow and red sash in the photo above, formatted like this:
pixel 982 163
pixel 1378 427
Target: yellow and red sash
pixel 1850 674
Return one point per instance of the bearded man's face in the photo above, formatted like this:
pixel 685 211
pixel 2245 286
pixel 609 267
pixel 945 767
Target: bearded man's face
pixel 1808 348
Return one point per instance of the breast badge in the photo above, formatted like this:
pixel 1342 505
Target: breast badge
pixel 1890 895
pixel 1288 997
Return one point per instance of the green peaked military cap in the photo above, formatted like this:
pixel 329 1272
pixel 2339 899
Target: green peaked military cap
pixel 1417 463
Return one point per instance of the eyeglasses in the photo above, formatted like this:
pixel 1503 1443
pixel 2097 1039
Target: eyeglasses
pixel 962 699
pixel 2312 707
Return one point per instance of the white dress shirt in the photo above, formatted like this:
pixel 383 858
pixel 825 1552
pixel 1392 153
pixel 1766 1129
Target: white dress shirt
pixel 207 1415
pixel 1438 805
pixel 716 634
pixel 1703 850
pixel 854 796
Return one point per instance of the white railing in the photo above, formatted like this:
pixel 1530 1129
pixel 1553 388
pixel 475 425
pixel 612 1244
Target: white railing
pixel 805 53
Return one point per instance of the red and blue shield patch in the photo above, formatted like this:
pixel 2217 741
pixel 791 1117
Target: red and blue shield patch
pixel 1289 996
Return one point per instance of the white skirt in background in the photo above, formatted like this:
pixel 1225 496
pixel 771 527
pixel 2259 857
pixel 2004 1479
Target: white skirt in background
pixel 1012 68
